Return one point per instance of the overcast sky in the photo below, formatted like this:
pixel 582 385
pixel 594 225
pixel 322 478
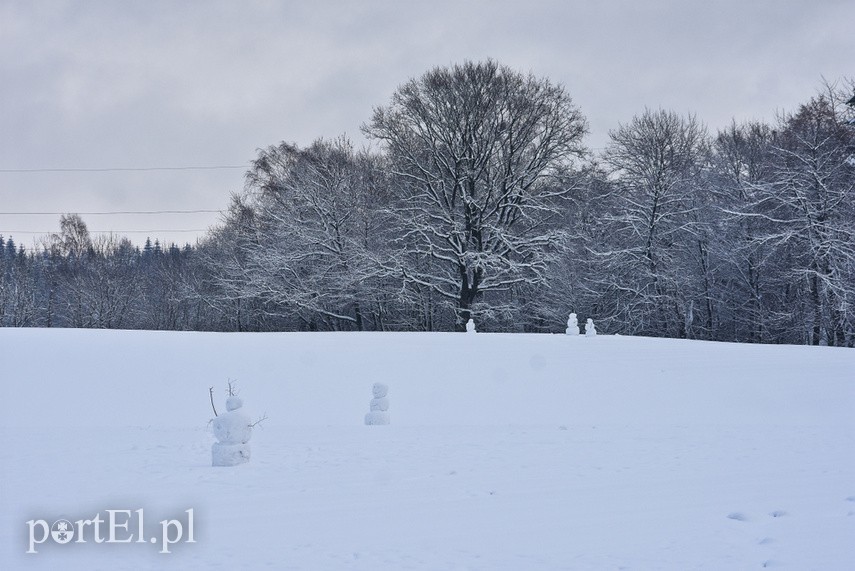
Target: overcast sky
pixel 111 84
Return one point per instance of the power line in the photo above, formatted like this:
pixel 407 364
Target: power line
pixel 11 232
pixel 111 212
pixel 126 169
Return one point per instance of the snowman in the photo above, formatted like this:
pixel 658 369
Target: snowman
pixel 590 330
pixel 233 430
pixel 379 406
pixel 470 326
pixel 572 325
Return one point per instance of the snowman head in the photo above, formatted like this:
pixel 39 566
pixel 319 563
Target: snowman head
pixel 233 403
pixel 379 390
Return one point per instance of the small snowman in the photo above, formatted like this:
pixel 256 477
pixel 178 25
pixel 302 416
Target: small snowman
pixel 590 330
pixel 233 429
pixel 379 406
pixel 572 325
pixel 470 326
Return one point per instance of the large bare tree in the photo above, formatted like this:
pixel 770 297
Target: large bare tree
pixel 475 151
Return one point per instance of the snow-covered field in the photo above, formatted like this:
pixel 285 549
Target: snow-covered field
pixel 512 452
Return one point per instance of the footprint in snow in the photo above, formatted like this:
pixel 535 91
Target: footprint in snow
pixel 737 516
pixel 766 541
pixel 778 513
pixel 850 499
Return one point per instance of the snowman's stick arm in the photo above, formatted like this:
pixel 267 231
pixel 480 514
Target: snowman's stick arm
pixel 211 394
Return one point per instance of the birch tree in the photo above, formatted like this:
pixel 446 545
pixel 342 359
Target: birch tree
pixel 750 288
pixel 320 233
pixel 811 201
pixel 655 220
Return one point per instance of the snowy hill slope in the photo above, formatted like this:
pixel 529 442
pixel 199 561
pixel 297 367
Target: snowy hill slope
pixel 505 451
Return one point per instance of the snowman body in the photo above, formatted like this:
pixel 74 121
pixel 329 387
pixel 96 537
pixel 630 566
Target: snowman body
pixel 572 325
pixel 233 430
pixel 378 412
pixel 590 330
pixel 470 326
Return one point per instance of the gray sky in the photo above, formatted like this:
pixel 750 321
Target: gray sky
pixel 112 84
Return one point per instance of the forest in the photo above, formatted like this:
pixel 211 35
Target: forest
pixel 478 198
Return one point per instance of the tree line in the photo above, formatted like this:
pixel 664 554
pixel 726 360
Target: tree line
pixel 480 199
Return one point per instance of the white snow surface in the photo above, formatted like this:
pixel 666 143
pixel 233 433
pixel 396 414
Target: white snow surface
pixel 507 452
